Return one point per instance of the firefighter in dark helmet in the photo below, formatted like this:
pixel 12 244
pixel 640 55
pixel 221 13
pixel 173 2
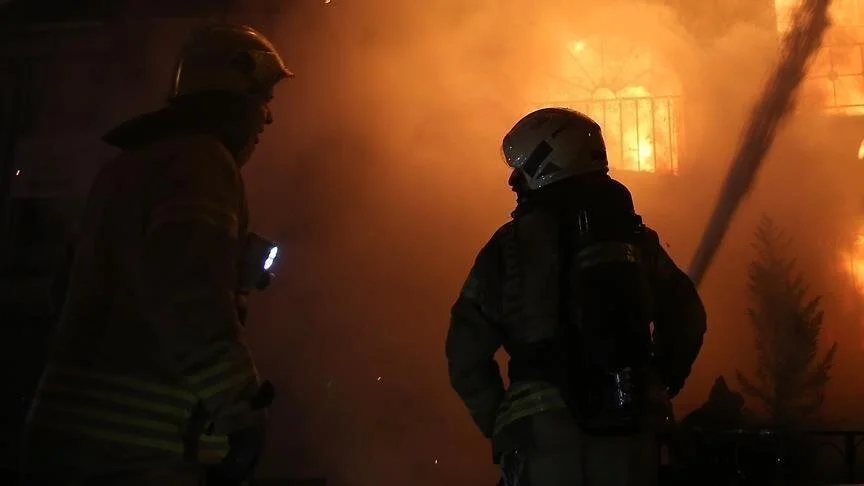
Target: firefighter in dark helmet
pixel 600 326
pixel 149 378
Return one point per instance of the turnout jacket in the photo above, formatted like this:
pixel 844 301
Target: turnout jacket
pixel 149 363
pixel 484 317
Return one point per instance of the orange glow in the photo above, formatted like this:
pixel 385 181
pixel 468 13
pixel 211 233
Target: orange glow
pixel 577 46
pixel 835 81
pixel 852 260
pixel 639 124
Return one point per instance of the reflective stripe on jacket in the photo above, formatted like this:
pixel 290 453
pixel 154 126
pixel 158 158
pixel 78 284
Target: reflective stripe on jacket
pixel 122 410
pixel 524 399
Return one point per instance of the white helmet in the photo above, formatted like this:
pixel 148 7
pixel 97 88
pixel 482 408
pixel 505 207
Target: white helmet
pixel 552 144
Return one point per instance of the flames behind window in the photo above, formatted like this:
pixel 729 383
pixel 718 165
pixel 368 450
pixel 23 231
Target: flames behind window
pixel 852 260
pixel 835 84
pixel 635 103
pixel 835 81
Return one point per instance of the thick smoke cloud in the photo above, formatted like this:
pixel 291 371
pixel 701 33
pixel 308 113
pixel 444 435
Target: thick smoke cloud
pixel 382 178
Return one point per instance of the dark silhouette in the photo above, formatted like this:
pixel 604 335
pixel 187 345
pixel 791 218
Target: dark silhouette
pixel 723 410
pixel 790 379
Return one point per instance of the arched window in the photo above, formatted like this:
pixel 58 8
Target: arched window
pixel 629 95
pixel 835 81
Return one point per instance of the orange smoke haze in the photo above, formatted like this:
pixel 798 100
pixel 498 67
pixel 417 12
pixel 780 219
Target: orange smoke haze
pixel 382 179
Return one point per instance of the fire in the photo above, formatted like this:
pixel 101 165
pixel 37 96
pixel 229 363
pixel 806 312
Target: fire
pixel 834 80
pixel 852 260
pixel 577 46
pixel 640 128
pixel 843 13
pixel 861 150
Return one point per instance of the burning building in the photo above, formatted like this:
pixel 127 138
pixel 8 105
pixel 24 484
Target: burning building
pixel 647 105
pixel 631 93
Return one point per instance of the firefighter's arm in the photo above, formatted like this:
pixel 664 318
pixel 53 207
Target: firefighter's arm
pixel 472 341
pixel 680 321
pixel 189 275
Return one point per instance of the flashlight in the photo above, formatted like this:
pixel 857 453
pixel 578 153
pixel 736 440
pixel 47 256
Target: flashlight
pixel 260 257
pixel 271 257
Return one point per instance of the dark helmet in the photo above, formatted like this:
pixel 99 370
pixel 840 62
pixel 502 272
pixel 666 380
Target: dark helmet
pixel 228 58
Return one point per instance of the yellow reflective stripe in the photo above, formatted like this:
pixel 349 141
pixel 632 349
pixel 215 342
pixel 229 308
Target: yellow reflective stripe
pixel 118 399
pixel 608 252
pixel 232 368
pixel 171 446
pixel 548 398
pixel 213 447
pixel 523 386
pixel 541 397
pixel 210 372
pixel 538 398
pixel 119 409
pixel 214 439
pixel 174 392
pixel 112 417
pixel 509 419
pixel 227 384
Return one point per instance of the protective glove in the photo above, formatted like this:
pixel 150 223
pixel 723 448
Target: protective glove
pixel 671 376
pixel 264 281
pixel 245 448
pixel 244 445
pixel 673 387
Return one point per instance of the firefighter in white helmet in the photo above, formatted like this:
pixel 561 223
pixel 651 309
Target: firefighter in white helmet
pixel 570 288
pixel 149 379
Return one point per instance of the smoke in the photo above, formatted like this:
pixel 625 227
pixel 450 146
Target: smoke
pixel 382 179
pixel 809 25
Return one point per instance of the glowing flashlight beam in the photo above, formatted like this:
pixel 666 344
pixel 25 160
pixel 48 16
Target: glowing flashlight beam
pixel 271 257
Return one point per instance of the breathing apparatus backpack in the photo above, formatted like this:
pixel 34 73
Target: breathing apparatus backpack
pixel 605 314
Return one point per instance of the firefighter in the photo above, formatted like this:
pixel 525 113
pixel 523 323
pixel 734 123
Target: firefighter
pixel 590 372
pixel 149 379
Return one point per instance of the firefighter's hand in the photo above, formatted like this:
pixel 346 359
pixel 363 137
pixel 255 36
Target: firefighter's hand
pixel 264 281
pixel 264 397
pixel 672 378
pixel 673 389
pixel 247 444
pixel 250 415
pixel 245 448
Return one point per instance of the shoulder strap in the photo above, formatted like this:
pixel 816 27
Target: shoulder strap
pixel 511 273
